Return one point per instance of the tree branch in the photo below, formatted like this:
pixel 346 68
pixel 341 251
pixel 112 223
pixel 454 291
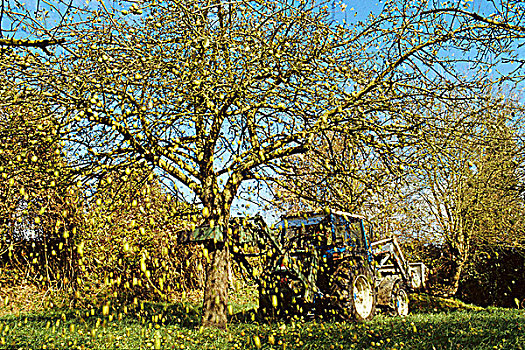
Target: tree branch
pixel 41 44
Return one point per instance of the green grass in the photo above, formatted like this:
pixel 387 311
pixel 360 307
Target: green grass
pixel 176 326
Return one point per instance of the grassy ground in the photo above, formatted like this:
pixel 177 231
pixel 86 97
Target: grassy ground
pixel 176 326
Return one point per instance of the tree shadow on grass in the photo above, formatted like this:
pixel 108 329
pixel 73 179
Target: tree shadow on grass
pixel 185 315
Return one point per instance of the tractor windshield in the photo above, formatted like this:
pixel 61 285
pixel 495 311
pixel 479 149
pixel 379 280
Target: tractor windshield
pixel 302 236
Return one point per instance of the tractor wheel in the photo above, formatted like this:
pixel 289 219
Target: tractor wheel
pixel 355 296
pixel 266 310
pixel 399 306
pixel 363 298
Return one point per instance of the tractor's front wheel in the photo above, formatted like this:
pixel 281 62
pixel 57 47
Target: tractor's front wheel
pixel 400 301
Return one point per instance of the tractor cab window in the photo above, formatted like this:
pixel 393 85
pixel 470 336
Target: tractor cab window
pixel 320 234
pixel 355 231
pixel 293 234
pixel 340 235
pixel 349 233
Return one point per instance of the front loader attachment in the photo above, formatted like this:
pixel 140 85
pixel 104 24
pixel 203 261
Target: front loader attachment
pixel 396 276
pixel 391 262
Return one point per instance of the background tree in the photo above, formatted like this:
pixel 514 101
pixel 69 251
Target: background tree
pixel 212 94
pixel 38 210
pixel 339 172
pixel 493 274
pixel 498 177
pixel 474 192
pixel 454 197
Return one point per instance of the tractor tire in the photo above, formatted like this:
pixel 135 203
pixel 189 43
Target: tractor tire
pixel 355 295
pixel 400 302
pixel 279 300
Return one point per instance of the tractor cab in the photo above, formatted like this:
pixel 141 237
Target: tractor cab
pixel 332 233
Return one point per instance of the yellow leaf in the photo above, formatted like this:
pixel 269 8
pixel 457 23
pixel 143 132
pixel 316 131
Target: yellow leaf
pixel 143 264
pixel 274 301
pixel 80 249
pixel 257 341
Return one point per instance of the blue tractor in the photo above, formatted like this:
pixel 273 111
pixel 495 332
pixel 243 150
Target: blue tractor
pixel 320 264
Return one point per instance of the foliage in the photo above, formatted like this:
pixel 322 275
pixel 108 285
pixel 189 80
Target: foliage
pixel 60 243
pixel 498 218
pixel 471 193
pixel 495 278
pixel 29 158
pixel 129 249
pixel 38 208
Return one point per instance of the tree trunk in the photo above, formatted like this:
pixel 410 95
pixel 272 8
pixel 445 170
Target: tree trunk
pixel 457 270
pixel 216 291
pixel 214 308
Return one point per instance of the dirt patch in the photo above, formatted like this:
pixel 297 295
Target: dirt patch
pixel 20 299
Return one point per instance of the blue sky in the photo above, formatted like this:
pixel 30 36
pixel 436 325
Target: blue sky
pixel 356 10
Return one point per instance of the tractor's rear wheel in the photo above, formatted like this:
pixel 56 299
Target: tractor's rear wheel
pixel 354 296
